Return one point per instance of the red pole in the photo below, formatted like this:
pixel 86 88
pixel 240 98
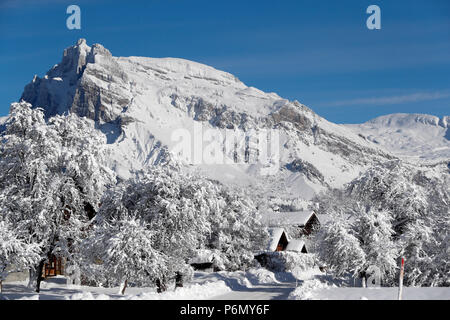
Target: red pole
pixel 400 287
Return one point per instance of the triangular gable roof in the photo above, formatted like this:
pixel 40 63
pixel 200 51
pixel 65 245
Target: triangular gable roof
pixel 274 238
pixel 299 218
pixel 295 245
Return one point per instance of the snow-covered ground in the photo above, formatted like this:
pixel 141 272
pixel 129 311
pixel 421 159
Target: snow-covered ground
pixel 254 284
pixel 316 290
pixel 57 289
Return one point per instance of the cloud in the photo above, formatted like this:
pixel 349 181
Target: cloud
pixel 414 97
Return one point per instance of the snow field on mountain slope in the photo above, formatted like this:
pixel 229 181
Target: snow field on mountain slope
pixel 192 79
pixel 414 136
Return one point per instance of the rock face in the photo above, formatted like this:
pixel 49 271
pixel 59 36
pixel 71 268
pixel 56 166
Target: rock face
pixel 140 102
pixel 81 83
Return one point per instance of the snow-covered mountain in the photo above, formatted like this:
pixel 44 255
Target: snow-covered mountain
pixel 413 136
pixel 140 102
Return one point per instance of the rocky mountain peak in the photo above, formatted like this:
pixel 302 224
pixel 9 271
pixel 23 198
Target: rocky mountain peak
pixel 73 62
pixel 68 88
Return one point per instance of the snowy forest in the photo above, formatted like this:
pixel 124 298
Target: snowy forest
pixel 58 197
pixel 393 210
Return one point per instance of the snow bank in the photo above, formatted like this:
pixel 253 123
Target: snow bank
pixel 88 296
pixel 419 293
pixel 307 289
pixel 239 280
pixel 261 276
pixel 317 290
pixel 33 297
pixel 192 292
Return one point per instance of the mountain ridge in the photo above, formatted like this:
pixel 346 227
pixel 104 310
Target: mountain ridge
pixel 139 102
pixel 418 137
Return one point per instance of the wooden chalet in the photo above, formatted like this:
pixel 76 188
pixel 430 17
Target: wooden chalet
pixel 279 241
pixel 306 221
pixel 53 267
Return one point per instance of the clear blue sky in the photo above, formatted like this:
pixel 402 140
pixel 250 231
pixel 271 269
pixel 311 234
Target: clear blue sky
pixel 317 52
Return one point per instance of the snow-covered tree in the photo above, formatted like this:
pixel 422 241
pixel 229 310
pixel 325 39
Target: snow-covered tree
pixel 375 232
pixel 183 213
pixel 172 212
pixel 16 254
pixel 339 247
pixel 51 176
pixel 425 246
pixel 416 240
pixel 389 187
pixel 408 216
pixel 124 245
pixel 237 231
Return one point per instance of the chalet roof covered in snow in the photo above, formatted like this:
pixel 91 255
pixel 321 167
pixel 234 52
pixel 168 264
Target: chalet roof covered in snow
pixel 202 256
pixel 295 245
pixel 299 218
pixel 274 237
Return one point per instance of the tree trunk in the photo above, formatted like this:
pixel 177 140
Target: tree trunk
pixel 3 276
pixel 32 277
pixel 178 280
pixel 124 287
pixel 158 285
pixel 39 275
pixel 161 285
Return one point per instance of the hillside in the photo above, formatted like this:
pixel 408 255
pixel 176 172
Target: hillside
pixel 412 136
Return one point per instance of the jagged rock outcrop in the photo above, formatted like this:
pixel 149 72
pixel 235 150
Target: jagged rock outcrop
pixel 83 83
